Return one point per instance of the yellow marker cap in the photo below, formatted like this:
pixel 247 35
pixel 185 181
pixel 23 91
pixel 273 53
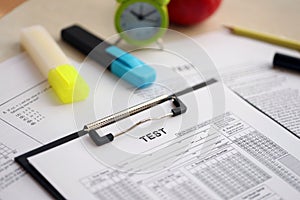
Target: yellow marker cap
pixel 68 84
pixel 54 65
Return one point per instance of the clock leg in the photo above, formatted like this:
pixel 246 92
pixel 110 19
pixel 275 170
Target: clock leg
pixel 117 41
pixel 160 43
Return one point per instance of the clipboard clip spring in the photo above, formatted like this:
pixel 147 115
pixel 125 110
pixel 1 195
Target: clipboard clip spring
pixel 179 108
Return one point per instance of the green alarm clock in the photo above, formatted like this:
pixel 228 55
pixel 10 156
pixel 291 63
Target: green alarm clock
pixel 141 22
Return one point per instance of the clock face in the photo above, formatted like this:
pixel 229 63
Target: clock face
pixel 143 17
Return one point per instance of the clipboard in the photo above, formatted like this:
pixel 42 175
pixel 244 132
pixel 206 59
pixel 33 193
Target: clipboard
pixel 23 161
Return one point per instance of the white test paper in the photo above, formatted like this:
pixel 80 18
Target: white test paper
pixel 17 77
pixel 14 182
pixel 241 154
pixel 31 115
pixel 24 92
pixel 246 67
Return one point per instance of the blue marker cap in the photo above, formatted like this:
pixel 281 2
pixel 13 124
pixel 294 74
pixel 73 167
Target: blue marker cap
pixel 130 68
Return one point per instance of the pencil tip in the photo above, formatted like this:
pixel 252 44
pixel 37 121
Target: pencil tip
pixel 230 28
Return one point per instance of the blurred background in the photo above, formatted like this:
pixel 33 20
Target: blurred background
pixel 280 17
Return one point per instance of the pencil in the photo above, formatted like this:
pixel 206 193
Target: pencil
pixel 292 44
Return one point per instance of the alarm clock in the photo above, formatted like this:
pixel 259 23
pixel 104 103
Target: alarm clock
pixel 141 22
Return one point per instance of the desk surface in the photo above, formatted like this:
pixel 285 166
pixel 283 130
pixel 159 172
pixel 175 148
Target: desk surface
pixel 274 16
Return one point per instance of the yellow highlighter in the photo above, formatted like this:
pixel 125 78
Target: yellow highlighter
pixel 54 65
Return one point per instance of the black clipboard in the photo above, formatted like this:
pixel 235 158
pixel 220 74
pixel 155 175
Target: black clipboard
pixel 23 161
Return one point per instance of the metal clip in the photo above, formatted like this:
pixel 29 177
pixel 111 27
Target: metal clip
pixel 179 109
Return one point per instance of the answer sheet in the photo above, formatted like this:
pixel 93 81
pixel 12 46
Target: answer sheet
pixel 246 67
pixel 240 154
pixel 19 79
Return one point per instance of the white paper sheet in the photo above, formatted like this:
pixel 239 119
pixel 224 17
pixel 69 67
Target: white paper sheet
pixel 30 112
pixel 241 154
pixel 246 67
pixel 17 76
pixel 31 115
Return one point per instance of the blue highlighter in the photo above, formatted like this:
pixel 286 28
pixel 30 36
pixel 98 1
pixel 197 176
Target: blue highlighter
pixel 119 62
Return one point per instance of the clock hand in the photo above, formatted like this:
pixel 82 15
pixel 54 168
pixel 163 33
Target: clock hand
pixel 136 14
pixel 141 16
pixel 149 13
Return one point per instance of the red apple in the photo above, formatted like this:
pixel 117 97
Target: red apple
pixel 189 12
